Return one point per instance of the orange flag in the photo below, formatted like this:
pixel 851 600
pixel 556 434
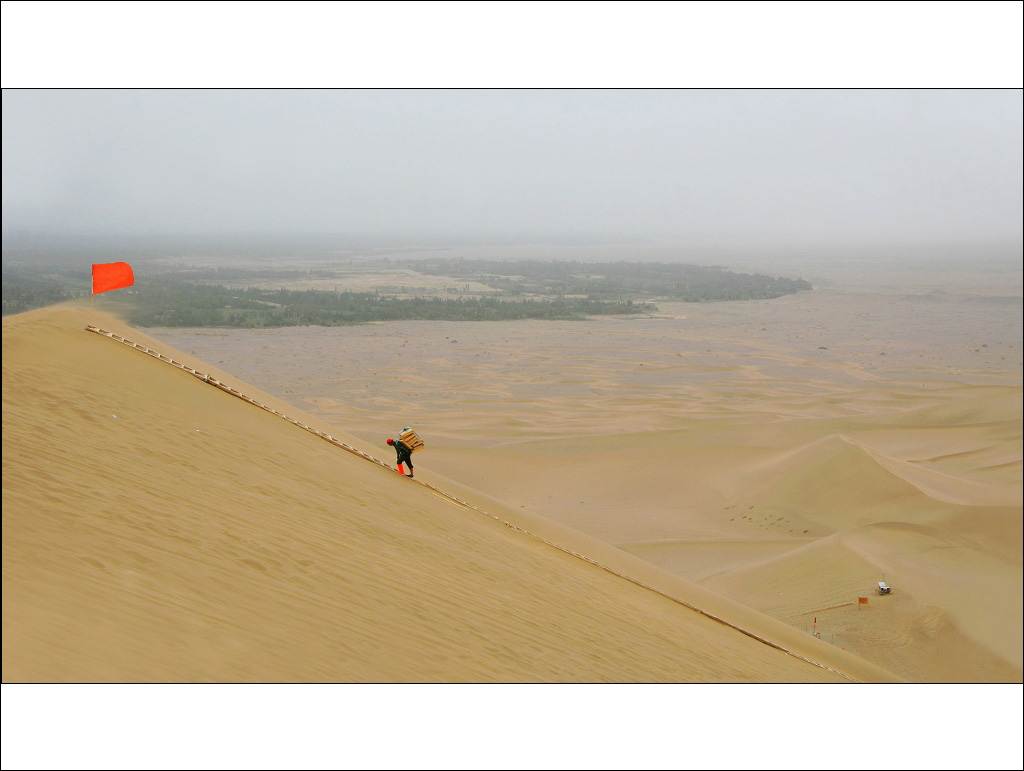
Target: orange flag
pixel 111 275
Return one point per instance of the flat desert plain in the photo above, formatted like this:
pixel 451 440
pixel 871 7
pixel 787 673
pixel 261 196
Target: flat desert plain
pixel 786 454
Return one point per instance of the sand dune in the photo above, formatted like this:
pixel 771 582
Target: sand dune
pixel 736 445
pixel 156 529
pixel 836 483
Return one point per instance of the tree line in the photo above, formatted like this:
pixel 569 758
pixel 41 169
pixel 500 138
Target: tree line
pixel 182 304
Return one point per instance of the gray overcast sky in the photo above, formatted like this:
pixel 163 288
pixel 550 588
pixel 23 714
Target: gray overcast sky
pixel 656 163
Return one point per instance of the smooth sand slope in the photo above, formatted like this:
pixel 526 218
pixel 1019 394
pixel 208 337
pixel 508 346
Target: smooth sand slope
pixel 158 529
pixel 788 454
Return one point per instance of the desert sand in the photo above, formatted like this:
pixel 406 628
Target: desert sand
pixel 157 529
pixel 785 454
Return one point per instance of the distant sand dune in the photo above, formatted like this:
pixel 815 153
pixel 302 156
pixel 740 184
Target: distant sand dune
pixel 835 483
pixel 863 478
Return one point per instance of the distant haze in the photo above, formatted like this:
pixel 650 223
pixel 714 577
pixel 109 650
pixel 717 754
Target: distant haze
pixel 509 164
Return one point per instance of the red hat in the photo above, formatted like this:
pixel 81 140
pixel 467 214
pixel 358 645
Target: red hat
pixel 391 441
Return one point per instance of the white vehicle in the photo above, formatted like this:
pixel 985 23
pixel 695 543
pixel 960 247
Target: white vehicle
pixel 884 588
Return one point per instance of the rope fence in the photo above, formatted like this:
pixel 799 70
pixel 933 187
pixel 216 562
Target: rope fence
pixel 206 378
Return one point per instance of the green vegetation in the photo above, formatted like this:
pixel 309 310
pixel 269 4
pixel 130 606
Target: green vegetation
pixel 28 287
pixel 179 304
pixel 181 295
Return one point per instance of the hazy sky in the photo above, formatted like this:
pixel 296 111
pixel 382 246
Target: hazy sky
pixel 517 163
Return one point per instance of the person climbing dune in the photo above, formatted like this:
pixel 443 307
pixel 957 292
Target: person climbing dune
pixel 404 456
